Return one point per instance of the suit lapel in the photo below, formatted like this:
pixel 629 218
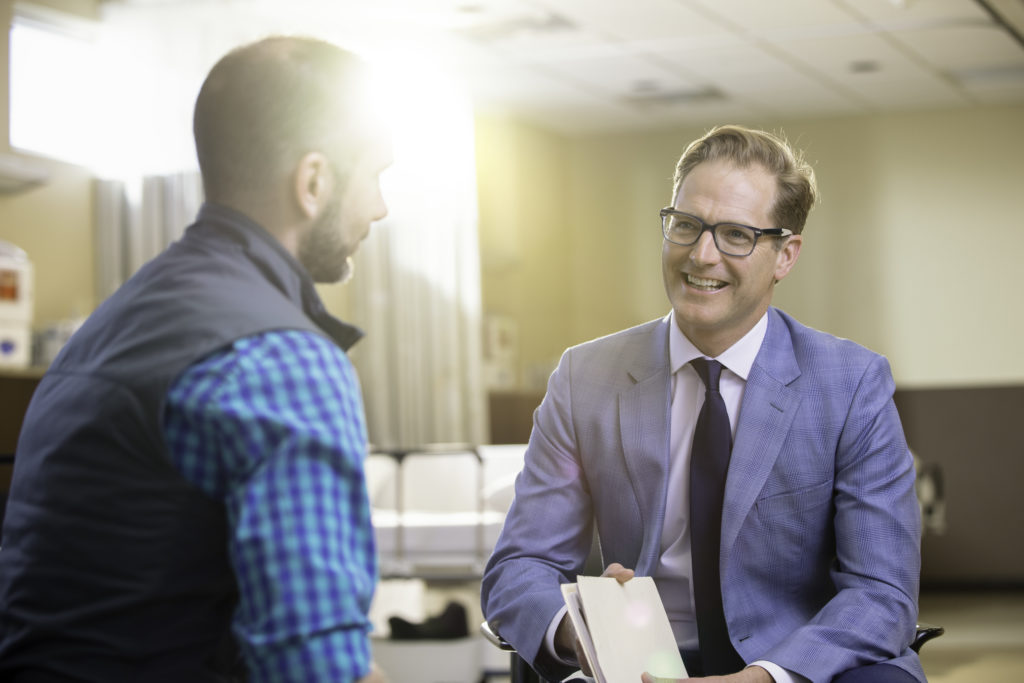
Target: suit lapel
pixel 644 429
pixel 770 403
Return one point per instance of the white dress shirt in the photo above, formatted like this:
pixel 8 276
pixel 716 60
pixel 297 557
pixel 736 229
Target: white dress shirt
pixel 673 571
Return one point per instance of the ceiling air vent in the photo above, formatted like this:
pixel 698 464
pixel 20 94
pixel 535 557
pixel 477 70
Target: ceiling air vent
pixel 517 26
pixel 652 97
pixel 1010 75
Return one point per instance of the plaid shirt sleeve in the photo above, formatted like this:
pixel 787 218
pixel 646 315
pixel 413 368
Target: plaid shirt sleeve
pixel 274 427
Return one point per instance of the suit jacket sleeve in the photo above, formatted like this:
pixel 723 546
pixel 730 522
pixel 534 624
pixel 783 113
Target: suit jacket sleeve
pixel 547 533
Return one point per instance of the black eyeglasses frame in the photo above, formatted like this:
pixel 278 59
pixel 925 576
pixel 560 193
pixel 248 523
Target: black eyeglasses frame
pixel 706 227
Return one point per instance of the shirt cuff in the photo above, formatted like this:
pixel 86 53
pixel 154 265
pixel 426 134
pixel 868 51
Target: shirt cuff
pixel 779 674
pixel 549 638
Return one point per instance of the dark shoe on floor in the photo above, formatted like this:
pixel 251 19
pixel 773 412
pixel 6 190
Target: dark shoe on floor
pixel 450 624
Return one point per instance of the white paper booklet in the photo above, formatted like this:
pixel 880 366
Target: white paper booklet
pixel 623 629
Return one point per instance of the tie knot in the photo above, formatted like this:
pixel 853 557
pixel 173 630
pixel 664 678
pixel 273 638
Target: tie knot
pixel 709 371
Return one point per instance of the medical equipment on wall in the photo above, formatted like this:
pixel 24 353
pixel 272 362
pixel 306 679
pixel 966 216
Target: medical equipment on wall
pixel 16 299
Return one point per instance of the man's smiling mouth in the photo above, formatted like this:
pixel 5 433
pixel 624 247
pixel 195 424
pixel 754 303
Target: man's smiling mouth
pixel 704 284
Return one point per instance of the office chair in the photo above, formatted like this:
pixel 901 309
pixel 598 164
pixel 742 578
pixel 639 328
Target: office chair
pixel 522 673
pixel 6 465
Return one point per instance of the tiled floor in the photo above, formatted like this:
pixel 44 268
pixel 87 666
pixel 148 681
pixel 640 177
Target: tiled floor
pixel 984 639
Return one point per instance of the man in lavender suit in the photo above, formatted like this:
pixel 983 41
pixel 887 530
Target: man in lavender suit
pixel 818 543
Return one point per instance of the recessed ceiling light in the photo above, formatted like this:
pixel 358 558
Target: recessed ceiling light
pixel 645 85
pixel 864 66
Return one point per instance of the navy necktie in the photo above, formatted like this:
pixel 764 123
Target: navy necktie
pixel 709 464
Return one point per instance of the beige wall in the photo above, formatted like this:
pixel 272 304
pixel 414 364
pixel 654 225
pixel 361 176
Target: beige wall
pixel 956 314
pixel 891 257
pixel 897 263
pixel 53 222
pixel 526 246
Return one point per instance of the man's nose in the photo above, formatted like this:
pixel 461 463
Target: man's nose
pixel 381 210
pixel 705 251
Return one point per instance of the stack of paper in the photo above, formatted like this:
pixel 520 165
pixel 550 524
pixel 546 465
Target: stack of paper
pixel 623 629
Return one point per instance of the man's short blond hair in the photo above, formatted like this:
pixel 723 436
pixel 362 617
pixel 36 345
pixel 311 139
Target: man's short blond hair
pixel 744 147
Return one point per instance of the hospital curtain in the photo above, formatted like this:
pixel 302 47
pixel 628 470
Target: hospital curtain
pixel 137 219
pixel 416 292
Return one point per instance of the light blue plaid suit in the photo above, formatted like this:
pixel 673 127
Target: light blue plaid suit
pixel 820 531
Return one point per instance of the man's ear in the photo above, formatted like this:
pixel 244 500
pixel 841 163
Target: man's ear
pixel 312 183
pixel 787 256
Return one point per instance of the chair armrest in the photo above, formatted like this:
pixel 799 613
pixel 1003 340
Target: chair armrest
pixel 925 632
pixel 492 636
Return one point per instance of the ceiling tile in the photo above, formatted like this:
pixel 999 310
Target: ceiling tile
pixel 1005 84
pixel 806 102
pixel 964 47
pixel 440 15
pixel 623 74
pixel 738 67
pixel 997 93
pixel 581 118
pixel 840 56
pixel 909 13
pixel 514 85
pixel 706 114
pixel 571 63
pixel 637 19
pixel 902 93
pixel 765 19
pixel 532 32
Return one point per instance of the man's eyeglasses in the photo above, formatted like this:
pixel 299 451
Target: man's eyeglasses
pixel 732 239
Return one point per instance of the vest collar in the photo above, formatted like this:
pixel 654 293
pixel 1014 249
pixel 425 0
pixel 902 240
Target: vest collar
pixel 217 222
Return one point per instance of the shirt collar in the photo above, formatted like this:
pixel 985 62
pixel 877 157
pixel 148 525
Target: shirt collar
pixel 738 358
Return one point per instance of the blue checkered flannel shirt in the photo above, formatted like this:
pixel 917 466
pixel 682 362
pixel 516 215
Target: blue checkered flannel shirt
pixel 274 428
